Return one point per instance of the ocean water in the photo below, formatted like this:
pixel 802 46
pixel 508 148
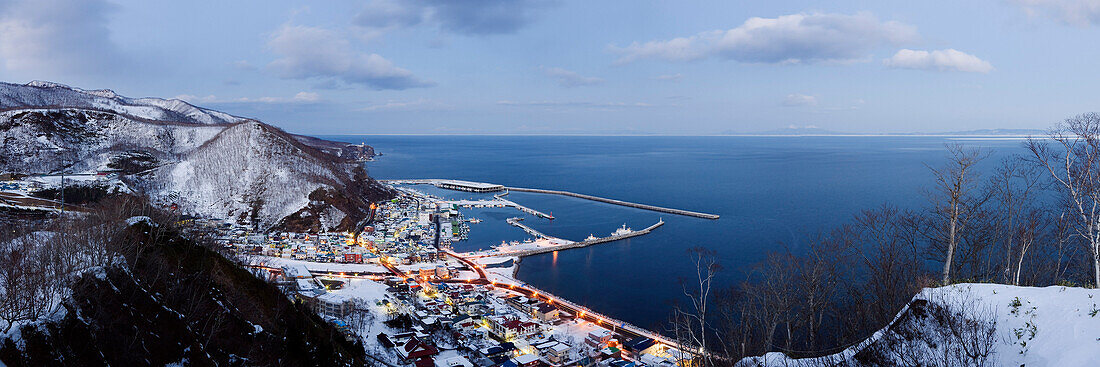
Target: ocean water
pixel 770 191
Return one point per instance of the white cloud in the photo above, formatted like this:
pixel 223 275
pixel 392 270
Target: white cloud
pixel 318 53
pixel 300 97
pixel 670 77
pixel 570 79
pixel 795 99
pixel 795 38
pixel 1075 12
pixel 414 105
pixel 939 60
pixel 50 37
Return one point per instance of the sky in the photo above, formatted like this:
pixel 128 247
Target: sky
pixel 576 67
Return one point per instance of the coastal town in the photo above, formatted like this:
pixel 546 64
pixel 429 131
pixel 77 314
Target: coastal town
pixel 399 287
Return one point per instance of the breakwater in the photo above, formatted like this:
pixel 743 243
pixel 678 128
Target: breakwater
pixel 585 243
pixel 618 202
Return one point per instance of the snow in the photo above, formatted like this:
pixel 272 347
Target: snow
pixel 278 262
pixel 140 219
pixel 209 163
pixel 363 289
pixel 1034 326
pixel 40 93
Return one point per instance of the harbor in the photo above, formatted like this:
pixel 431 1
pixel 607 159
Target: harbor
pixel 403 253
pixel 470 186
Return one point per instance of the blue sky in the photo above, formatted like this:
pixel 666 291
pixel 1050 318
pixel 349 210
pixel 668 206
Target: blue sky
pixel 576 67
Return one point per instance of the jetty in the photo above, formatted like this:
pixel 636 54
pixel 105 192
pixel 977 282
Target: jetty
pixel 618 202
pixel 515 221
pixel 573 245
pixel 488 187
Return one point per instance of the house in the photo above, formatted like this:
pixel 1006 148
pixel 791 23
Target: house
pixel 527 360
pixel 510 328
pixel 456 361
pixel 641 345
pixel 598 339
pixel 545 312
pixel 555 353
pixel 354 258
pixel 415 349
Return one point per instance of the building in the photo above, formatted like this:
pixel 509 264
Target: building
pixel 332 305
pixel 598 339
pixel 545 312
pixel 526 360
pixel 415 349
pixel 442 272
pixel 456 361
pixel 510 328
pixel 352 257
pixel 468 186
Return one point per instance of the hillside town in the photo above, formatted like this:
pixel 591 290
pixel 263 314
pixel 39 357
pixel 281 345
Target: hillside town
pixel 397 285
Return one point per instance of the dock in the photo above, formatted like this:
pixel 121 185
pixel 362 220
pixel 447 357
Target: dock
pixel 515 221
pixel 618 202
pixel 521 207
pixel 573 245
pixel 487 187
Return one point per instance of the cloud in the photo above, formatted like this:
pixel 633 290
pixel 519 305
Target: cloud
pixel 318 53
pixel 415 105
pixel 243 65
pixel 796 38
pixel 300 97
pixel 795 99
pixel 670 77
pixel 44 37
pixel 570 79
pixel 482 17
pixel 1074 12
pixel 569 105
pixel 938 60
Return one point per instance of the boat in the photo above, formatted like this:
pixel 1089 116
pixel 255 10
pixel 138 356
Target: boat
pixel 591 238
pixel 622 231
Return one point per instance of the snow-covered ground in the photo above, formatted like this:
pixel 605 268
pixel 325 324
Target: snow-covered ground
pixel 277 262
pixel 1028 326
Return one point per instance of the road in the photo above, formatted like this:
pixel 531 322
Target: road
pixel 578 311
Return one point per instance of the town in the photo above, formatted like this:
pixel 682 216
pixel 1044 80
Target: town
pixel 398 286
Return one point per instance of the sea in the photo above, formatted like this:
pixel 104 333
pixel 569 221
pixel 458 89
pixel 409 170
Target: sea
pixel 773 193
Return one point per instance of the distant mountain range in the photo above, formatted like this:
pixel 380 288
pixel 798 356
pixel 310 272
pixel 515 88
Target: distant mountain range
pixel 815 131
pixel 206 162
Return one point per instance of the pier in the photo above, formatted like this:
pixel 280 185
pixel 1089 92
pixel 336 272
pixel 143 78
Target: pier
pixel 618 202
pixel 571 245
pixel 515 221
pixel 487 187
pixel 521 207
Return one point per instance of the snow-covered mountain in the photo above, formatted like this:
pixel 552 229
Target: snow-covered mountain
pixel 234 168
pixel 39 94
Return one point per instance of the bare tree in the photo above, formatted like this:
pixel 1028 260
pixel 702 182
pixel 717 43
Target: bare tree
pixel 1074 166
pixel 1019 221
pixel 690 325
pixel 951 200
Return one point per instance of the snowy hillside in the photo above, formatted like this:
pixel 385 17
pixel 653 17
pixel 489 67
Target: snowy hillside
pixel 243 170
pixel 979 325
pixel 251 171
pixel 41 94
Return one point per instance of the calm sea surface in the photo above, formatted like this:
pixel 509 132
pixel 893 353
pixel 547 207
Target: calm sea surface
pixel 770 191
